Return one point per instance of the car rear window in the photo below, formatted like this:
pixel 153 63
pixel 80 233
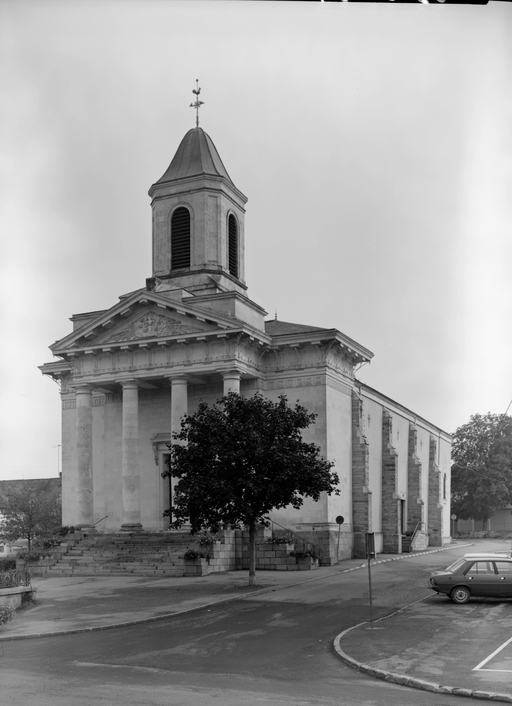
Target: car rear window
pixel 456 565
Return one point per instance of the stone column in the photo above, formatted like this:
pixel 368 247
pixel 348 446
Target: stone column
pixel 130 457
pixel 179 401
pixel 231 380
pixel 84 457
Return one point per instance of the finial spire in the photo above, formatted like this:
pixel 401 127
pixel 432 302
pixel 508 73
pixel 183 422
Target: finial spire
pixel 197 104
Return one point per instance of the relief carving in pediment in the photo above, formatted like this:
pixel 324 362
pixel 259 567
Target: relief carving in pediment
pixel 151 325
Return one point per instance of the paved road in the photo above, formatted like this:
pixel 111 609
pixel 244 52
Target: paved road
pixel 275 648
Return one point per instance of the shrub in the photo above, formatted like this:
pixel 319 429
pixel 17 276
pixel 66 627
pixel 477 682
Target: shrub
pixel 304 554
pixel 33 555
pixel 6 614
pixel 192 554
pixel 65 530
pixel 8 564
pixel 279 540
pixel 205 540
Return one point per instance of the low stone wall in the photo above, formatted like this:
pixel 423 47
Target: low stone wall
pixel 419 542
pixel 17 595
pixel 488 534
pixel 197 567
pixel 223 552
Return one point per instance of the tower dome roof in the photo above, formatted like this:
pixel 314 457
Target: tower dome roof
pixel 195 156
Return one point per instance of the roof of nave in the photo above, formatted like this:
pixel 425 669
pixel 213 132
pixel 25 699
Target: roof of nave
pixel 195 156
pixel 279 328
pixel 286 333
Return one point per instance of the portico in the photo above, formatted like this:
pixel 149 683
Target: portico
pixel 142 412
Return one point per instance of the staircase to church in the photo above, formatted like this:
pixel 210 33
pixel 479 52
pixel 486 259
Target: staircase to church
pixel 143 554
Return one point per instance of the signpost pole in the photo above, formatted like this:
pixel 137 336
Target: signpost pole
pixel 340 520
pixel 370 553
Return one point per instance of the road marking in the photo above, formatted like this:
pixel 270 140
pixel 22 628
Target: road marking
pixel 120 666
pixel 479 667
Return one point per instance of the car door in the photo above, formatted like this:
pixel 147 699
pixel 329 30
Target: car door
pixel 482 579
pixel 504 572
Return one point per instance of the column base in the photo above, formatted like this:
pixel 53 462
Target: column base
pixel 136 527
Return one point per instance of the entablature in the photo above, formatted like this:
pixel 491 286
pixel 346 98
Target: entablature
pixel 327 340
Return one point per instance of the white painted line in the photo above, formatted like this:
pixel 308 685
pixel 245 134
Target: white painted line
pixel 479 666
pixel 134 667
pixel 509 671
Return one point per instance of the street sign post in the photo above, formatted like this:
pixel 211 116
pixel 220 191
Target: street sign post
pixel 340 520
pixel 370 554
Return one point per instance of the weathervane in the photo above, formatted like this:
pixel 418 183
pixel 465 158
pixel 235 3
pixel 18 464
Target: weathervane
pixel 197 103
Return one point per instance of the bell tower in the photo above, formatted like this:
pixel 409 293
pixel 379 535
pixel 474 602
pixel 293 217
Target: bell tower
pixel 198 220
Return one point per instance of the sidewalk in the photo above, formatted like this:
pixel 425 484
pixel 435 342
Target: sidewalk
pixel 438 646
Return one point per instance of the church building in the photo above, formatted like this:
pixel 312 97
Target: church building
pixel 130 372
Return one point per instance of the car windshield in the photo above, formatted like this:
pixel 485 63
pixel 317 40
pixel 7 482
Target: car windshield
pixel 456 565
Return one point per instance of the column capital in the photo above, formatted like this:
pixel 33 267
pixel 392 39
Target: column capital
pixel 178 379
pixel 230 373
pixel 129 384
pixel 84 389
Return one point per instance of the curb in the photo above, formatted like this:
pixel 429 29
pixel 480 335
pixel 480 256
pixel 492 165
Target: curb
pixel 402 679
pixel 166 616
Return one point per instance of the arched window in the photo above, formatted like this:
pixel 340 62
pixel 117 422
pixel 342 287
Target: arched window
pixel 180 238
pixel 232 245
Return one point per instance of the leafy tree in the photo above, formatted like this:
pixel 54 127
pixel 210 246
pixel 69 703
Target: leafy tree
pixel 482 466
pixel 239 459
pixel 29 510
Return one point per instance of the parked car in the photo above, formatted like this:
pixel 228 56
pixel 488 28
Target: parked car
pixel 475 575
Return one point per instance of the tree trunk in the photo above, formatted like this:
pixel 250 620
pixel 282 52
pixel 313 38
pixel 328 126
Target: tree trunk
pixel 252 554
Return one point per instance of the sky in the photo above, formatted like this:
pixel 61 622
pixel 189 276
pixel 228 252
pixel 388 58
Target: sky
pixel 373 143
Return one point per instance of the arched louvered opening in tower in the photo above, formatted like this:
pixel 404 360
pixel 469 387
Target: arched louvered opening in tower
pixel 180 238
pixel 232 245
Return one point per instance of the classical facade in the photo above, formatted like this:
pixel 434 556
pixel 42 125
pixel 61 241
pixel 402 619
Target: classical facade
pixel 130 372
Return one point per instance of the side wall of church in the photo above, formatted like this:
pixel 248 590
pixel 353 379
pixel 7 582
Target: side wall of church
pixel 398 475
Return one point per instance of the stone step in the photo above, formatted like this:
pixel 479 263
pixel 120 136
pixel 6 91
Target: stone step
pixel 171 572
pixel 134 555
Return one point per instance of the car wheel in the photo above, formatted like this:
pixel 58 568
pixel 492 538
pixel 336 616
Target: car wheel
pixel 460 594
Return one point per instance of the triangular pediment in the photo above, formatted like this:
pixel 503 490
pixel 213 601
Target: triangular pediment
pixel 144 316
pixel 149 324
